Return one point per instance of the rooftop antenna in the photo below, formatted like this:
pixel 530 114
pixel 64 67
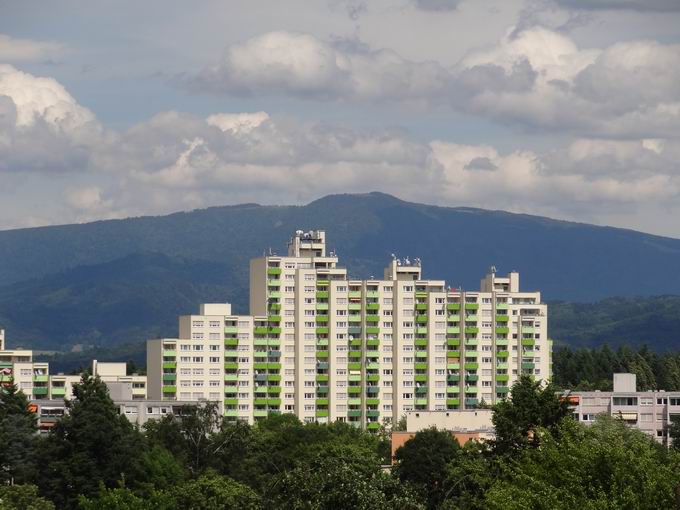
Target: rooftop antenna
pixel 493 269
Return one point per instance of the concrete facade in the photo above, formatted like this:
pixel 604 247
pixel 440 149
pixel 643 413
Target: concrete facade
pixel 327 347
pixel 649 411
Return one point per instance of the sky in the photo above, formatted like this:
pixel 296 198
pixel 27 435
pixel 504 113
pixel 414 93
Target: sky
pixel 562 108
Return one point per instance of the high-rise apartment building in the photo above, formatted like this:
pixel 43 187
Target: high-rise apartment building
pixel 327 347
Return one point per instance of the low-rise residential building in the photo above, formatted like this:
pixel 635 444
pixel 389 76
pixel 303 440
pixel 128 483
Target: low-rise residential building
pixel 18 366
pixel 649 411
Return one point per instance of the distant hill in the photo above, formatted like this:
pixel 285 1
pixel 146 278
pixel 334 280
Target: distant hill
pixel 618 321
pixel 113 282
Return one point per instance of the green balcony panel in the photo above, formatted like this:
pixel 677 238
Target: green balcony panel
pixel 231 365
pixel 502 377
pixel 322 365
pixel 471 378
pixel 421 306
pixel 353 390
pixel 40 378
pixel 372 306
pixel 372 294
pixel 322 341
pixel 421 318
pixel 373 342
pixel 450 402
pixel 420 366
pixel 528 366
pixel 275 294
pixel 421 401
pixel 231 377
pixel 421 331
pixel 170 364
pixel 421 342
pixel 273 402
pixel 322 306
pixel 274 331
pixel 322 294
pixel 274 306
pixel 455 330
pixel 273 389
pixel 453 378
pixel 372 401
pixel 471 330
pixel 274 318
pixel 322 390
pixel 259 354
pixel 502 318
pixel 354 413
pixel 471 341
pixel 43 390
pixel 502 330
pixel 230 330
pixel 273 270
pixel 354 354
pixel 169 377
pixel 372 318
pixel 354 294
pixel 322 331
pixel 453 306
pixel 454 317
pixel 231 353
pixel 420 378
pixel 354 306
pixel 259 413
pixel 421 294
pixel 231 342
pixel 59 391
pixel 372 365
pixel 322 378
pixel 166 389
pixel 528 342
pixel 471 366
pixel 230 401
pixel 274 366
pixel 354 366
pixel 471 318
pixel 502 389
pixel 471 402
pixel 501 341
pixel 354 318
pixel 528 329
pixel 453 342
pixel 452 390
pixel 354 377
pixel 322 354
pixel 354 401
pixel 472 306
pixel 372 330
pixel 321 401
pixel 374 425
pixel 453 366
pixel 321 413
pixel 372 413
pixel 502 354
pixel 322 319
pixel 502 365
pixel 260 330
pixel 372 389
pixel 501 306
pixel 421 389
pixel 373 378
pixel 322 283
pixel 470 354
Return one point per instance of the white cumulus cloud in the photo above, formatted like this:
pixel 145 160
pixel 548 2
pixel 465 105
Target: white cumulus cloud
pixel 27 50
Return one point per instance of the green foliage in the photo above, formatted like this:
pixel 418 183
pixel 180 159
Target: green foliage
pixel 605 466
pixel 17 437
pixel 592 369
pixel 209 492
pixel 422 461
pixel 530 407
pixel 339 478
pixel 22 497
pixel 91 445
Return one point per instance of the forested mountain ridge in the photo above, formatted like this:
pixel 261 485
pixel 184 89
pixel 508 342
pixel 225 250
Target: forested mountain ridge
pixel 121 281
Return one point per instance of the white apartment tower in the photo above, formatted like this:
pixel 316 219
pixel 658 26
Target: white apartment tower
pixel 326 347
